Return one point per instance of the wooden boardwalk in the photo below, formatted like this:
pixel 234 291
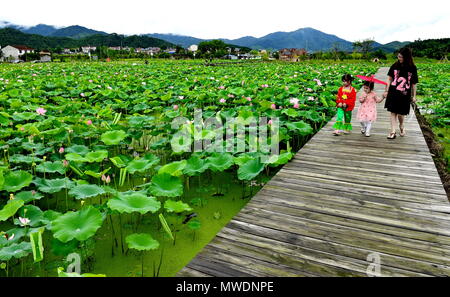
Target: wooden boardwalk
pixel 338 201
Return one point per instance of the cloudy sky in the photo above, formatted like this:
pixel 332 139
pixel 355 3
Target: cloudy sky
pixel 383 20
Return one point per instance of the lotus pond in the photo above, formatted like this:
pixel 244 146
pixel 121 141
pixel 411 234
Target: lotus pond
pixel 90 182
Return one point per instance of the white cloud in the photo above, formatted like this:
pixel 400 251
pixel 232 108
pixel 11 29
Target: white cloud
pixel 384 20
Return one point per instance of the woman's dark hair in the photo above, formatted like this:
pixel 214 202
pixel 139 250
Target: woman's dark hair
pixel 369 84
pixel 406 52
pixel 347 77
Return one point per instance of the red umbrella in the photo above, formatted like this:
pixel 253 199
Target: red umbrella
pixel 371 79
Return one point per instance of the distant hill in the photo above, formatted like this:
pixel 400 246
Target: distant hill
pixel 41 29
pixel 309 38
pixel 13 36
pixel 391 46
pixel 47 30
pixel 76 32
pixel 184 41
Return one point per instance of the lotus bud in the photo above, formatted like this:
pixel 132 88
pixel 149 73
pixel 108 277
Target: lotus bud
pixel 108 179
pixel 82 202
pixel 11 196
pixel 104 178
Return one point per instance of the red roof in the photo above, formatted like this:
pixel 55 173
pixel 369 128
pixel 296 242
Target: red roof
pixel 22 47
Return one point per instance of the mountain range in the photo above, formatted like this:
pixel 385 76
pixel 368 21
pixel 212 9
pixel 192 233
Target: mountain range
pixel 311 39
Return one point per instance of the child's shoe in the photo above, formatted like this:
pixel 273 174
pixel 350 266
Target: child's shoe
pixel 346 132
pixel 337 133
pixel 363 131
pixel 367 134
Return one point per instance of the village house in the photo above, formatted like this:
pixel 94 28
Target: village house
pixel 45 56
pixel 193 48
pixel 292 54
pixel 88 49
pixel 170 50
pixel 148 50
pixel 15 52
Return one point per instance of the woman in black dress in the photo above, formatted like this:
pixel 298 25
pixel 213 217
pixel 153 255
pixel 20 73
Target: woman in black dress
pixel 401 90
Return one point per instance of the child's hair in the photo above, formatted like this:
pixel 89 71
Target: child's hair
pixel 347 77
pixel 369 84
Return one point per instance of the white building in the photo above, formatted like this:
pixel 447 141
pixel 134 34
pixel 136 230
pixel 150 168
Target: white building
pixel 193 48
pixel 14 52
pixel 88 49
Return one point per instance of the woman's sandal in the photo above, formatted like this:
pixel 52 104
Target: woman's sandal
pixel 392 135
pixel 402 132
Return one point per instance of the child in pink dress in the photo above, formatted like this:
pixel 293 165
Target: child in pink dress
pixel 367 111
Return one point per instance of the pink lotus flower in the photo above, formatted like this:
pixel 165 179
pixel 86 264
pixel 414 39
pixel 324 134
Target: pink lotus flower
pixel 41 111
pixel 221 88
pixel 88 122
pixel 311 98
pixel 22 129
pixel 65 163
pixel 273 106
pixel 296 105
pixel 270 122
pixel 24 221
pixel 309 89
pixel 265 86
pixel 181 97
pixel 82 95
pixel 61 150
pixel 230 96
pixel 175 107
pixel 286 88
pixel 91 81
pixel 34 74
pixel 222 100
pixel 103 177
pixel 318 82
pixel 248 99
pixel 108 179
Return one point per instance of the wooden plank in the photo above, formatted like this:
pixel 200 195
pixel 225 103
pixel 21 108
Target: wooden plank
pixel 347 186
pixel 391 209
pixel 308 189
pixel 360 213
pixel 189 272
pixel 393 184
pixel 359 166
pixel 366 177
pixel 321 251
pixel 362 162
pixel 288 264
pixel 343 235
pixel 410 239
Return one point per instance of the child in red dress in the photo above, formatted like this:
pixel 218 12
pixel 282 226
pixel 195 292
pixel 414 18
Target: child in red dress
pixel 345 103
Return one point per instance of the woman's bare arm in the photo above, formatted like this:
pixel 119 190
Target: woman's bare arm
pixel 386 89
pixel 414 92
